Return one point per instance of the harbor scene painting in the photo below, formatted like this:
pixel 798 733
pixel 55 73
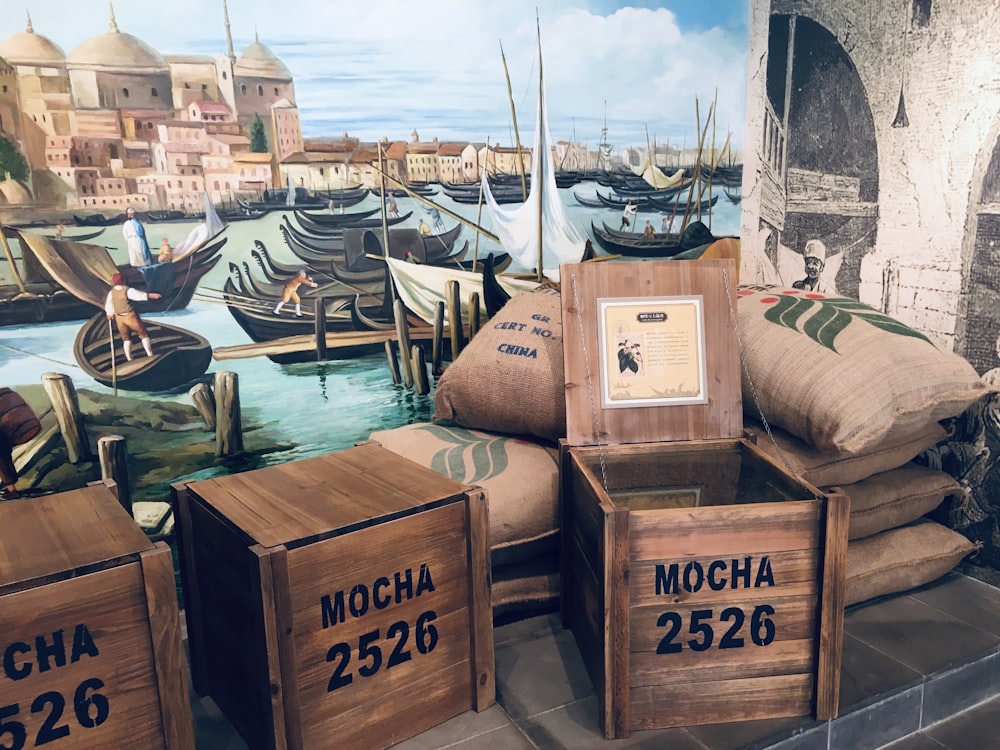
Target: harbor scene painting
pixel 195 189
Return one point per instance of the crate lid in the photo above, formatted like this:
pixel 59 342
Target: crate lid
pixel 66 534
pixel 315 497
pixel 650 351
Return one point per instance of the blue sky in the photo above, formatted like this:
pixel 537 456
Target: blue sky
pixel 387 67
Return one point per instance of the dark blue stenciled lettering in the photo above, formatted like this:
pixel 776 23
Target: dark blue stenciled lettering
pixel 90 707
pixel 670 579
pixel 370 655
pixel 762 629
pixel 49 652
pixel 516 350
pixel 361 597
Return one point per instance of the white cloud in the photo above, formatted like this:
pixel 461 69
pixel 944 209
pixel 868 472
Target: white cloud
pixel 438 61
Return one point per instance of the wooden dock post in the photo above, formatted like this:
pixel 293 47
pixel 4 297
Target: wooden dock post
pixel 66 405
pixel 453 301
pixel 390 355
pixel 203 399
pixel 403 336
pixel 229 427
pixel 420 381
pixel 437 344
pixel 112 451
pixel 321 329
pixel 474 314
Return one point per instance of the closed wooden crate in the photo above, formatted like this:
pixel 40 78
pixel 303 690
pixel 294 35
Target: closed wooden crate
pixel 340 601
pixel 702 581
pixel 90 640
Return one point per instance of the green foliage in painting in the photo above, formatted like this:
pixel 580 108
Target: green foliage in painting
pixel 258 139
pixel 12 161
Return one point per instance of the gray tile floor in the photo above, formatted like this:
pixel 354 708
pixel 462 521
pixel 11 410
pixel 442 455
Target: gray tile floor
pixel 921 671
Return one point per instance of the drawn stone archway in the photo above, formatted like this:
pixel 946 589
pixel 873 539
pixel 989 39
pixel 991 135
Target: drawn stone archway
pixel 826 170
pixel 979 321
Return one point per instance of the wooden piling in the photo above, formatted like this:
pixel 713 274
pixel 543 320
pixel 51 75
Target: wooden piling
pixel 66 405
pixel 204 401
pixel 321 329
pixel 112 451
pixel 437 343
pixel 403 337
pixel 421 384
pixel 452 299
pixel 474 319
pixel 228 428
pixel 390 355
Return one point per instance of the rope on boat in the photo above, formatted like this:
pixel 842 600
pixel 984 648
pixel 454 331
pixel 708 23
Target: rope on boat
pixel 41 356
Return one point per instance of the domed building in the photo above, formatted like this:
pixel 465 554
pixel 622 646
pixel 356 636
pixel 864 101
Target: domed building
pixel 116 70
pixel 35 96
pixel 260 80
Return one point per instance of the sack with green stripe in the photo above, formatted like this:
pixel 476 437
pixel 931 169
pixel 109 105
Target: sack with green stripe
pixel 841 375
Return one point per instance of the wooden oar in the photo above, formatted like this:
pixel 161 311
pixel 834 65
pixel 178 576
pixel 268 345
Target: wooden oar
pixel 114 364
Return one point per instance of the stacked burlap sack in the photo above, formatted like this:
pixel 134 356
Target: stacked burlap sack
pixel 500 407
pixel 851 397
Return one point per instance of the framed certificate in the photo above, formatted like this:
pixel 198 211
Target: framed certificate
pixel 652 351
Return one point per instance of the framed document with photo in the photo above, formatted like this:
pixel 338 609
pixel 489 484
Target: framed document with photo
pixel 652 351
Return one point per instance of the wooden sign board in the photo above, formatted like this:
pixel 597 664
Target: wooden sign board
pixel 650 352
pixel 325 594
pixel 90 640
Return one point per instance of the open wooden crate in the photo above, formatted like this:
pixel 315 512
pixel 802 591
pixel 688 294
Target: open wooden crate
pixel 703 582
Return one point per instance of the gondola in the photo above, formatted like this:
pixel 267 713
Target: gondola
pixel 11 233
pixel 589 202
pixel 261 324
pixel 159 217
pixel 310 225
pixel 98 220
pixel 620 235
pixel 179 356
pixel 638 247
pixel 278 204
pixel 334 220
pixel 494 295
pixel 682 203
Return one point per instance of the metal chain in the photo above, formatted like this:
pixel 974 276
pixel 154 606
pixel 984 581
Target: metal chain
pixel 590 385
pixel 750 383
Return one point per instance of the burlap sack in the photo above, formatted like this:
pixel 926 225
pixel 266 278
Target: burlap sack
pixel 896 497
pixel 509 378
pixel 902 559
pixel 825 468
pixel 841 375
pixel 521 479
pixel 526 588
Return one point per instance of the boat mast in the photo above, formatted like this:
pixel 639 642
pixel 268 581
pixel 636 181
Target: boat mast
pixel 513 114
pixel 542 156
pixel 10 261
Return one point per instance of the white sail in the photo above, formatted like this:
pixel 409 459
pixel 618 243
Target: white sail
pixel 421 287
pixel 654 176
pixel 518 227
pixel 206 230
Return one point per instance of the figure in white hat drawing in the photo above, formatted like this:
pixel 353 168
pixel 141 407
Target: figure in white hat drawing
pixel 814 257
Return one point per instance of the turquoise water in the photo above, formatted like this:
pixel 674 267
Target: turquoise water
pixel 311 408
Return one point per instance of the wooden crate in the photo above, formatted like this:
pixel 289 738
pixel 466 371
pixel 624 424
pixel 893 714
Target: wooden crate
pixel 339 601
pixel 702 581
pixel 90 640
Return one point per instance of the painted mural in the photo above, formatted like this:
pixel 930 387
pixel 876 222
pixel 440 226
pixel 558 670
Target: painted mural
pixel 184 186
pixel 872 172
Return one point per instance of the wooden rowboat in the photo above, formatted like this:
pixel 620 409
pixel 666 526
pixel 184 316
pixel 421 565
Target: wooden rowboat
pixel 179 356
